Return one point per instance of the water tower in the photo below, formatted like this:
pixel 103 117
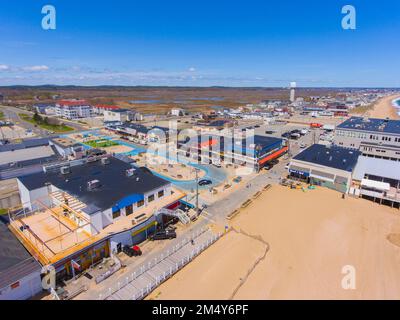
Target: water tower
pixel 292 91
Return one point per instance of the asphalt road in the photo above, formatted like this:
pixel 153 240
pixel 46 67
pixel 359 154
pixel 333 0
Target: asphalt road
pixel 11 113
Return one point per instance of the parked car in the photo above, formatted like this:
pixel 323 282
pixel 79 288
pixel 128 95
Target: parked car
pixel 204 182
pixel 287 166
pixel 163 235
pixel 237 179
pixel 274 162
pixel 268 166
pixel 132 251
pixel 302 146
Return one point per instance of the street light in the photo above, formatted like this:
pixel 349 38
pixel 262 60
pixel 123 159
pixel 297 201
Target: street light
pixel 197 190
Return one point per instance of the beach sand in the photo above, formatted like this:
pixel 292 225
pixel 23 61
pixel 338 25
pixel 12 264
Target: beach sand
pixel 312 235
pixel 117 149
pixel 384 108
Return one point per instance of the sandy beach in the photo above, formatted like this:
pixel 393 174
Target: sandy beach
pixel 309 243
pixel 384 108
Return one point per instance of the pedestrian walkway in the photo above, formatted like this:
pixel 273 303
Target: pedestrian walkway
pixel 151 274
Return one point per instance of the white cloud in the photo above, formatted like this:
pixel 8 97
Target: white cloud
pixel 192 69
pixel 36 68
pixel 4 67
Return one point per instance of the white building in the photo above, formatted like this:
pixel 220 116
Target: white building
pixel 378 180
pixel 177 112
pixel 379 138
pixel 115 191
pixel 73 109
pixel 120 115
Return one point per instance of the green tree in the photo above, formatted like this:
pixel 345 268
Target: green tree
pixel 37 118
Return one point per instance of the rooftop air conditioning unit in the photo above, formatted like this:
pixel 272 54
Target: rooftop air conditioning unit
pixel 130 172
pixel 93 184
pixel 105 161
pixel 65 170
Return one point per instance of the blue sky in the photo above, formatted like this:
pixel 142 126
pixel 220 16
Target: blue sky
pixel 201 43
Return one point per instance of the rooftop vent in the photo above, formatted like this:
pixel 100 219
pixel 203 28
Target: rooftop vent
pixel 93 184
pixel 65 170
pixel 105 161
pixel 130 172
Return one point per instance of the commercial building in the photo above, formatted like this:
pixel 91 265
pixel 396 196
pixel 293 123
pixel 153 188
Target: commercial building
pixel 379 138
pixel 68 148
pixel 101 108
pixel 141 134
pixel 45 108
pixel 253 152
pixel 26 157
pixel 178 112
pixel 19 271
pixel 73 109
pixel 121 115
pixel 83 212
pixel 328 166
pixel 378 180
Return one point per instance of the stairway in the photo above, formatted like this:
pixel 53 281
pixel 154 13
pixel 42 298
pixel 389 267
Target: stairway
pixel 182 216
pixel 73 203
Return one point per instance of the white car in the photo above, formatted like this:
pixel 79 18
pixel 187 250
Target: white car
pixel 302 146
pixel 287 166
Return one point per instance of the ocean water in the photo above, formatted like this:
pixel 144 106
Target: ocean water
pixel 396 104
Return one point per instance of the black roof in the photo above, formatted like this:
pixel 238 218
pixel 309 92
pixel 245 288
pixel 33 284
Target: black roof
pixel 114 183
pixel 330 156
pixel 139 127
pixel 371 124
pixel 15 261
pixel 25 144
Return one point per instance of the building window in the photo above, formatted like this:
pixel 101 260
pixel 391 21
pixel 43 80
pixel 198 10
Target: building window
pixel 140 203
pixel 161 193
pixel 116 214
pixel 151 198
pixel 129 210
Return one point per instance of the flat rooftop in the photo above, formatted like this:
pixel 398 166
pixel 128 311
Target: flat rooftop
pixel 49 234
pixel 330 156
pixel 371 125
pixel 114 186
pixel 52 237
pixel 250 144
pixel 64 142
pixel 26 154
pixel 377 167
pixel 26 144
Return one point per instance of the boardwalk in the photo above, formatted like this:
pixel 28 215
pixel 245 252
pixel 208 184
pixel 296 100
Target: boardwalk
pixel 150 275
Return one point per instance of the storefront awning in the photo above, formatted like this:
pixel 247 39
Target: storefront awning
pixel 272 156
